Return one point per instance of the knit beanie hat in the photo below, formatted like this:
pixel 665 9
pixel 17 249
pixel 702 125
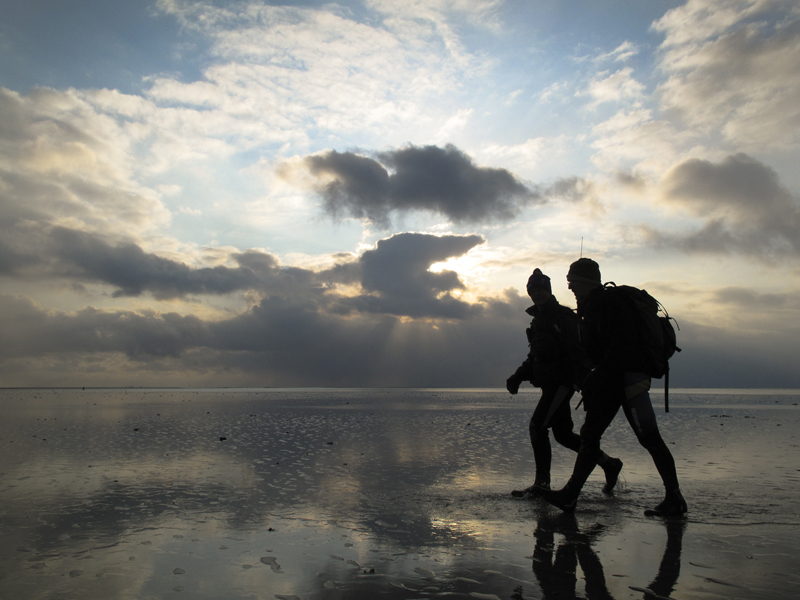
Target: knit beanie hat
pixel 539 280
pixel 586 270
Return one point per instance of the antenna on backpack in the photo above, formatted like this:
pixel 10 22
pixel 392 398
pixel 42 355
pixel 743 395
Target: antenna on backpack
pixel 581 247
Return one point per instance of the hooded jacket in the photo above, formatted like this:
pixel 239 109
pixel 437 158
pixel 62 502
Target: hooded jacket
pixel 555 355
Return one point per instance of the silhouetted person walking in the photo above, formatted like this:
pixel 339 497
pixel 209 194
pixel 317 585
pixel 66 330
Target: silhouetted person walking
pixel 609 334
pixel 555 361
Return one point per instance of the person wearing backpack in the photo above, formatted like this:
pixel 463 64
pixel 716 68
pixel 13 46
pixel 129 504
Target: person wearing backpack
pixel 619 379
pixel 556 360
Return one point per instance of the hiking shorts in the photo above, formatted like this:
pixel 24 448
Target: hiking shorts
pixel 631 392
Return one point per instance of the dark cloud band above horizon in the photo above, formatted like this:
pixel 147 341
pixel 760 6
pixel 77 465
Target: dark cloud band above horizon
pixel 290 342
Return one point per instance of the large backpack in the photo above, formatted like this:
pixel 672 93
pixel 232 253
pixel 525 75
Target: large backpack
pixel 657 337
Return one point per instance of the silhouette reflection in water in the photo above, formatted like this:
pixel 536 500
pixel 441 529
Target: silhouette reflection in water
pixel 555 562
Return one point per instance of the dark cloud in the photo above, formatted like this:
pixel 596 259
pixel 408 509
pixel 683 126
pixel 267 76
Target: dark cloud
pixel 12 261
pixel 716 237
pixel 631 180
pixel 739 183
pixel 85 257
pixel 397 324
pixel 133 271
pixel 751 300
pixel 279 342
pixel 736 357
pixel 402 326
pixel 745 208
pixel 440 180
pixel 29 330
pixel 295 342
pixel 395 277
pixel 572 189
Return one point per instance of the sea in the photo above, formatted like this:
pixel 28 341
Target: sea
pixel 384 493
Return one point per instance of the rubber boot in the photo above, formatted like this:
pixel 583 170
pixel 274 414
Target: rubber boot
pixel 673 505
pixel 612 468
pixel 566 498
pixel 530 491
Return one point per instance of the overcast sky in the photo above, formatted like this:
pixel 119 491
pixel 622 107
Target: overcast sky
pixel 209 193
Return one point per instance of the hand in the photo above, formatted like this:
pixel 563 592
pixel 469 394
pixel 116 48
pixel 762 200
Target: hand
pixel 512 385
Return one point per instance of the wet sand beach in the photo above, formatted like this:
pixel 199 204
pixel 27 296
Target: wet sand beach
pixel 396 494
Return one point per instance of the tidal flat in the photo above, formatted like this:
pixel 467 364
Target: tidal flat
pixel 395 493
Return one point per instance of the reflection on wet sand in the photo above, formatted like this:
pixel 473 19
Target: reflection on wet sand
pixel 352 495
pixel 555 563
